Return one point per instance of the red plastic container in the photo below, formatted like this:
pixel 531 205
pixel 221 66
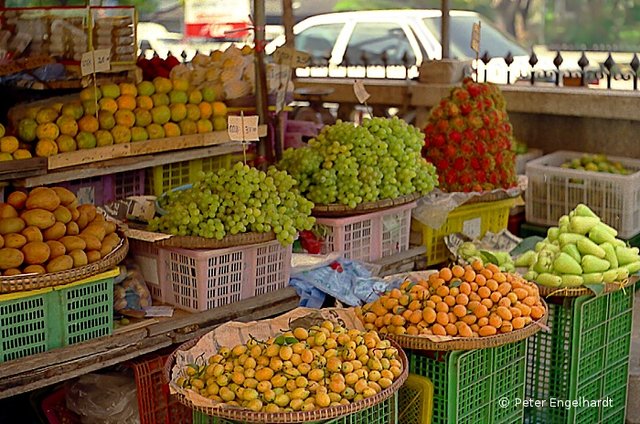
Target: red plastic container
pixel 55 408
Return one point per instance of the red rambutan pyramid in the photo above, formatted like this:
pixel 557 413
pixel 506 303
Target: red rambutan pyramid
pixel 470 140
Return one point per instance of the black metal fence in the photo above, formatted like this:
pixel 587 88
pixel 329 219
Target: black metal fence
pixel 584 72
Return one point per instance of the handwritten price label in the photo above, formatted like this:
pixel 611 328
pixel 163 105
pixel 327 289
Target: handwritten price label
pixel 243 128
pixel 291 57
pixel 475 38
pixel 360 92
pixel 95 61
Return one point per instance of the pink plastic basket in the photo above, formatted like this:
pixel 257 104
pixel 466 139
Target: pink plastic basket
pixel 146 256
pixel 368 237
pixel 198 280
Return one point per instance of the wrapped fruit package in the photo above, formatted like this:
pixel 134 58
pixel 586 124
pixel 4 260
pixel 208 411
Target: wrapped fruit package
pixel 470 140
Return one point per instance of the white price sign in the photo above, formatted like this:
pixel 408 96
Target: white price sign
pixel 360 92
pixel 243 128
pixel 472 227
pixel 291 57
pixel 95 61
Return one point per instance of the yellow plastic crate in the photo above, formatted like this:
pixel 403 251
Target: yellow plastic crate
pixel 415 400
pixel 163 178
pixel 474 220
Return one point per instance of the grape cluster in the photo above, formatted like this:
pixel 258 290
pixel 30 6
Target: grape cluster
pixel 234 201
pixel 350 164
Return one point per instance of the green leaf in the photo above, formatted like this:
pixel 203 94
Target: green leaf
pixel 290 340
pixel 525 245
pixel 455 283
pixel 490 257
pixel 280 340
pixel 597 289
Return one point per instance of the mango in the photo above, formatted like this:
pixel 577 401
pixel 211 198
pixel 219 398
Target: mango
pixel 95 229
pixel 14 240
pixel 10 258
pixel 87 214
pixel 43 198
pixel 66 196
pixel 62 214
pixel 35 269
pixel 74 213
pixel 32 233
pixel 73 242
pixel 56 248
pixel 7 211
pixel 40 218
pixel 110 227
pixel 11 225
pixel 36 252
pixel 92 242
pixel 11 272
pixel 1 242
pixel 109 243
pixel 61 263
pixel 72 229
pixel 55 232
pixel 79 258
pixel 17 199
pixel 93 256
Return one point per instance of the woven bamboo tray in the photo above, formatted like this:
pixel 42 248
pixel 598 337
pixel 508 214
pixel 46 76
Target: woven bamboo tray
pixel 339 210
pixel 470 343
pixel 18 283
pixel 193 242
pixel 245 415
pixel 584 291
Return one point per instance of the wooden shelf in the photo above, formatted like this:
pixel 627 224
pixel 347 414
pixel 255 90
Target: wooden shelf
pixel 113 166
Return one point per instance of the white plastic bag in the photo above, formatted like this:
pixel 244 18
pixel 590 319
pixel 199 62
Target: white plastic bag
pixel 104 399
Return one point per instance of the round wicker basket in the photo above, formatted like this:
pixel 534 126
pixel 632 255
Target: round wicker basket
pixel 584 291
pixel 18 283
pixel 338 210
pixel 470 343
pixel 193 242
pixel 248 416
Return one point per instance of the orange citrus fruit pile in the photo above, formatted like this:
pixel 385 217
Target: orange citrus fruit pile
pixel 463 301
pixel 300 370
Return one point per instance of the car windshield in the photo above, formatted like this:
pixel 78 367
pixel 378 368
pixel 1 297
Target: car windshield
pixel 491 40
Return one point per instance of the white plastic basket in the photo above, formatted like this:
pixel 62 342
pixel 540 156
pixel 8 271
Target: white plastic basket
pixel 553 191
pixel 198 280
pixel 523 159
pixel 370 236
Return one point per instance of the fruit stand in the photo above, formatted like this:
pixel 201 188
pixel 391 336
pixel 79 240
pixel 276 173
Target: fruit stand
pixel 155 168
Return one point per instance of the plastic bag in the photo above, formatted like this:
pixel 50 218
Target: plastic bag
pixel 104 399
pixel 130 294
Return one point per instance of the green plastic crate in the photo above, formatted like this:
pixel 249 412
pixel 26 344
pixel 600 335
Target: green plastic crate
pixel 163 178
pixel 383 413
pixel 585 355
pixel 37 321
pixel 469 386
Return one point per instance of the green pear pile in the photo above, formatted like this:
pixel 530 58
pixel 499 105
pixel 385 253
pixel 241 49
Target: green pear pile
pixel 582 250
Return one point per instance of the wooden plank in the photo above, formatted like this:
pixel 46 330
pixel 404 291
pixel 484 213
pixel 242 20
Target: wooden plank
pixel 225 313
pixel 97 154
pixel 42 377
pixel 22 168
pixel 125 164
pixel 70 353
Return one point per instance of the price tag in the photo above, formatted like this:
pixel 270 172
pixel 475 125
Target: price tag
pixel 291 57
pixel 87 64
pixel 243 128
pixel 102 60
pixel 471 227
pixel 280 98
pixel 86 195
pixel 475 38
pixel 360 91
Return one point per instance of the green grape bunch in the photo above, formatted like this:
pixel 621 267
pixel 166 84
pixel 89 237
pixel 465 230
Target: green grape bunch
pixel 349 164
pixel 235 201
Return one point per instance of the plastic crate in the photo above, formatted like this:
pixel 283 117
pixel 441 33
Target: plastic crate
pixel 474 220
pixel 198 280
pixel 163 178
pixel 55 408
pixel 145 254
pixel 383 413
pixel 36 321
pixel 98 190
pixel 155 404
pixel 128 184
pixel 586 355
pixel 370 236
pixel 415 400
pixel 553 191
pixel 469 385
pixel 523 159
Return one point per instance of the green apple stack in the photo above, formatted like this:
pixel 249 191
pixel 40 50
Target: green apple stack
pixel 582 250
